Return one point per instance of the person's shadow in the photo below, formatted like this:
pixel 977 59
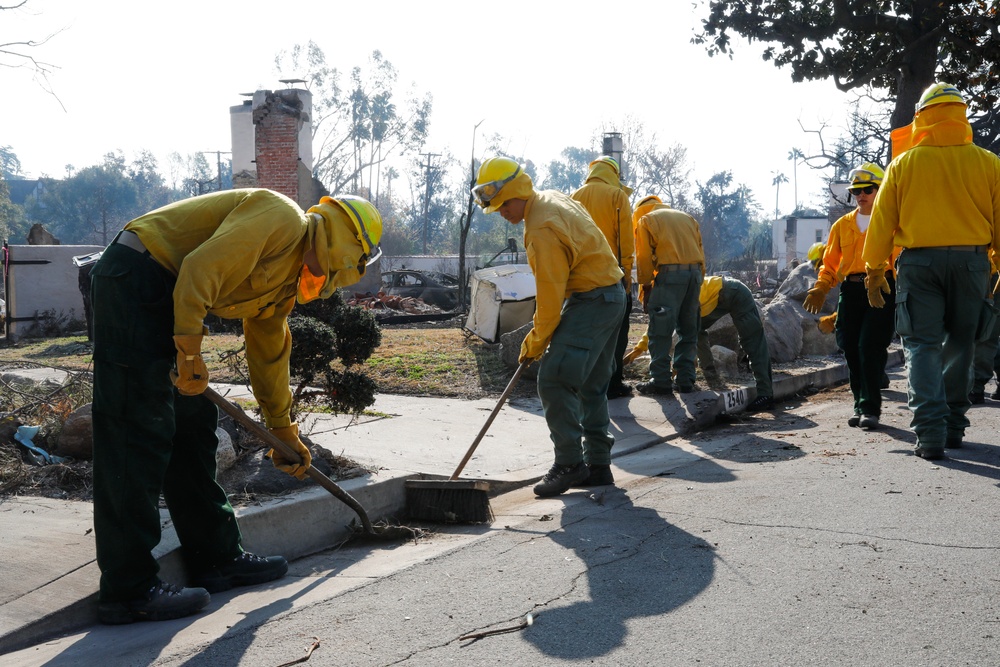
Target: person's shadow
pixel 637 564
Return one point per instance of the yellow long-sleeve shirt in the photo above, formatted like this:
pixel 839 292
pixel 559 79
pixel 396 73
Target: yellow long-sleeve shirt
pixel 666 236
pixel 238 254
pixel 567 254
pixel 608 205
pixel 943 191
pixel 843 254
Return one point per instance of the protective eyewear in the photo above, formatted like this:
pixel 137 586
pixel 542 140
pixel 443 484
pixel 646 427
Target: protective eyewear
pixel 485 192
pixel 859 176
pixel 868 189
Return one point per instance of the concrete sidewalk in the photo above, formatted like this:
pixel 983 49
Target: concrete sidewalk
pixel 47 546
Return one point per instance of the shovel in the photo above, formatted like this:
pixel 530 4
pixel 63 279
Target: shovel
pixel 276 443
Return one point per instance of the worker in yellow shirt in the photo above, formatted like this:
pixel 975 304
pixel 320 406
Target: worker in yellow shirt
pixel 579 302
pixel 863 332
pixel 606 199
pixel 670 264
pixel 246 254
pixel 727 296
pixel 940 202
pixel 721 296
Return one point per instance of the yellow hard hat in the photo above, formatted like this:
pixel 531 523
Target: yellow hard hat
pixel 816 251
pixel 367 222
pixel 867 174
pixel 610 161
pixel 494 174
pixel 939 93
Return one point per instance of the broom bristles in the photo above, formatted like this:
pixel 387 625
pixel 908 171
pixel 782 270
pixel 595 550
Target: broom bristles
pixel 449 501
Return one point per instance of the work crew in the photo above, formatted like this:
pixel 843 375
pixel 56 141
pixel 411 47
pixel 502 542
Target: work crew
pixel 245 254
pixel 670 264
pixel 606 199
pixel 721 296
pixel 939 201
pixel 863 332
pixel 579 303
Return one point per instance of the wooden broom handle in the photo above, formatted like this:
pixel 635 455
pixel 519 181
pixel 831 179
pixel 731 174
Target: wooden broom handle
pixel 493 415
pixel 277 443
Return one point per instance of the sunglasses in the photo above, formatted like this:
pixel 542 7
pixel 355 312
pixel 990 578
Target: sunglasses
pixel 868 189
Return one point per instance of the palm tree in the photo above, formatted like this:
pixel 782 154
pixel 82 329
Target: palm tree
pixel 795 155
pixel 779 178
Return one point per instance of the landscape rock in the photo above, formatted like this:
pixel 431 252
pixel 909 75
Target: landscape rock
pixel 76 439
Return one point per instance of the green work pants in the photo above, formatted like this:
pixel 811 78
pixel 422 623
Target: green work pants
pixel 736 300
pixel 864 334
pixel 939 294
pixel 574 372
pixel 148 438
pixel 674 306
pixel 987 359
pixel 621 342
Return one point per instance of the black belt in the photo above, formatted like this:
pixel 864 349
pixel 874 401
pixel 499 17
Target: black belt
pixel 955 248
pixel 678 267
pixel 855 278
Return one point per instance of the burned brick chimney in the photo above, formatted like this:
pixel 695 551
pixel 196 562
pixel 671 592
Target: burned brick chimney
pixel 272 144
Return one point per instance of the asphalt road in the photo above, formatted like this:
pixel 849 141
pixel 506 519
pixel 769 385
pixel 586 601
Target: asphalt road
pixel 803 542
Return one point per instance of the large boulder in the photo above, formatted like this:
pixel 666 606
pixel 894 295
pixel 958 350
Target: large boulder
pixel 783 328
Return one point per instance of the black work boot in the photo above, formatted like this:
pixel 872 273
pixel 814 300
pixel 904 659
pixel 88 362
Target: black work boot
pixel 650 388
pixel 561 478
pixel 162 602
pixel 600 475
pixel 244 570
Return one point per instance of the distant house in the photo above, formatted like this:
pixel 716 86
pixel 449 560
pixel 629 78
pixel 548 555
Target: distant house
pixel 792 235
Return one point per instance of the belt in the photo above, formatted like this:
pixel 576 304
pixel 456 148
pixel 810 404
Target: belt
pixel 131 240
pixel 677 267
pixel 855 277
pixel 956 248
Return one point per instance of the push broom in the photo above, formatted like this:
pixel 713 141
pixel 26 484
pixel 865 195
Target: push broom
pixel 457 500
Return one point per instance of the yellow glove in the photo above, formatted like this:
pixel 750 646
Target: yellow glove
pixel 192 374
pixel 290 436
pixel 816 297
pixel 827 324
pixel 639 348
pixel 877 284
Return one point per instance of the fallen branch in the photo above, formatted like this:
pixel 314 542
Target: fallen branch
pixel 525 622
pixel 309 652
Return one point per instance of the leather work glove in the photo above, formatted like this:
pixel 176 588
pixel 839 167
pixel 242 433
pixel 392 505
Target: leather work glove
pixel 877 284
pixel 827 324
pixel 192 374
pixel 815 298
pixel 632 356
pixel 290 436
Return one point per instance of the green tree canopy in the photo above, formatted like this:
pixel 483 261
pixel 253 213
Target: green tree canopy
pixel 727 214
pixel 899 46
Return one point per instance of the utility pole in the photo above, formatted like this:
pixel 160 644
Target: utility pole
pixel 218 164
pixel 430 169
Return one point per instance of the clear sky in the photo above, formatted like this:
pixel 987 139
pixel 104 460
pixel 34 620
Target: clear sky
pixel 134 75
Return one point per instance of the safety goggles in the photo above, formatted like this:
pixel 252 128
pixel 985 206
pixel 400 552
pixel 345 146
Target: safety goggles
pixel 485 192
pixel 868 189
